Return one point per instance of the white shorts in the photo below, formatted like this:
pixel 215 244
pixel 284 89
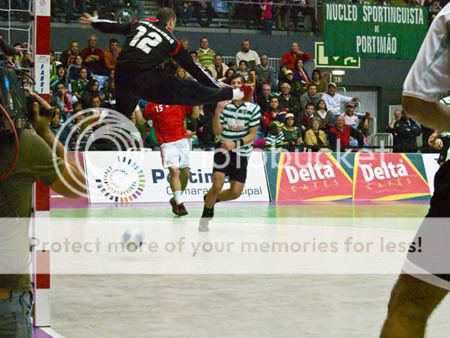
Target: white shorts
pixel 175 154
pixel 429 76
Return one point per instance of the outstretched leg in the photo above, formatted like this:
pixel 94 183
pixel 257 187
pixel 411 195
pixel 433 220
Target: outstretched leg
pixel 174 91
pixel 170 90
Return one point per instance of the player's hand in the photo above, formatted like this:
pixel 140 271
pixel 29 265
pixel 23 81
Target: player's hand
pixel 87 19
pixel 228 145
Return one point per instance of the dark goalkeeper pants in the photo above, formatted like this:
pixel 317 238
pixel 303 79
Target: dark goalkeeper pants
pixel 155 87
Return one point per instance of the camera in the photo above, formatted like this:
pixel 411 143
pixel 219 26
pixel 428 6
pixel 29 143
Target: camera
pixel 15 96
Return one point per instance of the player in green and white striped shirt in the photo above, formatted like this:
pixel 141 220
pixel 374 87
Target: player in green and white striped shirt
pixel 236 123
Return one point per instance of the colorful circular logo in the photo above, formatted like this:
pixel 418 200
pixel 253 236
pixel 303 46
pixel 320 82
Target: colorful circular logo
pixel 123 181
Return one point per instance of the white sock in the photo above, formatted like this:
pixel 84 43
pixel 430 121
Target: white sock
pixel 178 198
pixel 238 94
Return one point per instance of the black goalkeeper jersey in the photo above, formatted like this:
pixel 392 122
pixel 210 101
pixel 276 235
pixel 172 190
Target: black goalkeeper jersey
pixel 148 44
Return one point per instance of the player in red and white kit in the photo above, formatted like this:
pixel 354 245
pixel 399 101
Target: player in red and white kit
pixel 173 137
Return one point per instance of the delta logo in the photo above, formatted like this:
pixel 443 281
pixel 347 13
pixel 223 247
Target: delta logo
pixel 320 178
pixel 389 177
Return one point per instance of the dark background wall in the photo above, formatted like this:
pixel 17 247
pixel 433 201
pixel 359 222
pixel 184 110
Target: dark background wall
pixel 385 75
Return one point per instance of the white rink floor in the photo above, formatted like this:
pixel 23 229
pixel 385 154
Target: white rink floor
pixel 236 305
pixel 226 306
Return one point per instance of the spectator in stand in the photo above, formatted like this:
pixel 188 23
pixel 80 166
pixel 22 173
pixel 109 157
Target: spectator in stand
pixel 304 119
pixel 185 44
pixel 181 73
pixel 194 56
pixel 53 65
pixel 281 14
pixel 111 54
pixel 264 73
pixel 74 69
pixel 304 7
pixel 77 107
pixel 250 86
pixel 94 58
pixel 185 11
pixel 205 133
pixel 62 100
pixel 228 74
pixel 248 55
pixel 325 117
pixel 56 126
pixel 264 98
pixel 351 119
pixel 292 134
pixel 204 13
pixel 91 91
pixel 61 77
pixel 275 113
pixel 69 55
pixel 275 136
pixel 109 89
pixel 218 69
pixel 297 87
pixel 300 73
pixel 333 100
pixel 290 58
pixel 316 137
pixel 246 11
pixel 96 102
pixel 79 86
pixel 321 84
pixel 340 131
pixel 243 69
pixel 310 96
pixel 396 117
pixel 266 15
pixel 205 54
pixel 289 102
pixel 405 132
pixel 282 75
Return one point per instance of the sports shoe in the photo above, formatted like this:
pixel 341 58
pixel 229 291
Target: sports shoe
pixel 174 205
pixel 203 225
pixel 182 210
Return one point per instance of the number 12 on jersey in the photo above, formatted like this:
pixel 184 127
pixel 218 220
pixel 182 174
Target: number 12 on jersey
pixel 145 40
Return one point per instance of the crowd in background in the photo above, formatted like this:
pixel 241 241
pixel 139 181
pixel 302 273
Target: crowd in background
pixel 285 15
pixel 300 108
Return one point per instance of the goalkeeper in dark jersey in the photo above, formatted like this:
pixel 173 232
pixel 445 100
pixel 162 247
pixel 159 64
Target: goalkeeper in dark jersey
pixel 149 43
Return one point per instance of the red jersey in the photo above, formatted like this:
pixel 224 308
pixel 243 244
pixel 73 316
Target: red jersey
pixel 168 121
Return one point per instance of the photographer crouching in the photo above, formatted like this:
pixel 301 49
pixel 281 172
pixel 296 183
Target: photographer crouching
pixel 25 157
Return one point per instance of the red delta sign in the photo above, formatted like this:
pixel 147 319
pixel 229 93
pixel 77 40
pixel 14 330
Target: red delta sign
pixel 387 177
pixel 312 177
